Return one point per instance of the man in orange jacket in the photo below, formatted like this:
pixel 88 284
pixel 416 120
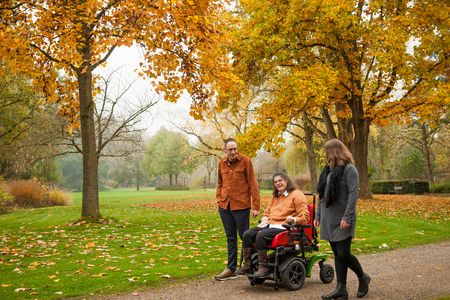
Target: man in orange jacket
pixel 237 192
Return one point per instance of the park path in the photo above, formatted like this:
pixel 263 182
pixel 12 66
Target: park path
pixel 421 272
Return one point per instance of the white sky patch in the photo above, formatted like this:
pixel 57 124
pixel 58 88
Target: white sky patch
pixel 127 59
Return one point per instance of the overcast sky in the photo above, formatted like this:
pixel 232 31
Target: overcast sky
pixel 127 59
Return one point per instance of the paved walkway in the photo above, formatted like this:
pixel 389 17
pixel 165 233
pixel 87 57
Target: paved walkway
pixel 421 272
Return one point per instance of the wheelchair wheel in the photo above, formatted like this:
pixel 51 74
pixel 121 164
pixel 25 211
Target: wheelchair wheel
pixel 294 275
pixel 326 273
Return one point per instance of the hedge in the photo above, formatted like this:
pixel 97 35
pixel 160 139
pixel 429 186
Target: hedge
pixel 441 188
pixel 171 188
pixel 400 187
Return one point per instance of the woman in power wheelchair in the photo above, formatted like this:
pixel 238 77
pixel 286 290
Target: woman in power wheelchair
pixel 285 228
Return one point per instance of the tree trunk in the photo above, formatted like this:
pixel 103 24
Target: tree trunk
pixel 209 179
pixel 309 131
pixel 138 175
pixel 427 140
pixel 345 128
pixel 360 147
pixel 331 133
pixel 170 179
pixel 427 153
pixel 90 203
pixel 429 164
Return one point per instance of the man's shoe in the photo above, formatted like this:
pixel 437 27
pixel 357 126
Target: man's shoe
pixel 227 274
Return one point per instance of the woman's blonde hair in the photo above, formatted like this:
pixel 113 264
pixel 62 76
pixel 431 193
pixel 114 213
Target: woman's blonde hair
pixel 336 153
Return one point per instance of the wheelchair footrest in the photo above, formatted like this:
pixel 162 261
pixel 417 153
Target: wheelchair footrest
pixel 253 276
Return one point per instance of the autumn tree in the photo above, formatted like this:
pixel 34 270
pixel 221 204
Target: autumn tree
pixel 168 153
pixel 423 137
pixel 48 38
pixel 30 133
pixel 367 61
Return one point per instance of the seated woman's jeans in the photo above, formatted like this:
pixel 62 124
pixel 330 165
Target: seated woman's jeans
pixel 262 236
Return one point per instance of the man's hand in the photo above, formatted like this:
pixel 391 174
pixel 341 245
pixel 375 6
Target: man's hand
pixel 255 213
pixel 316 223
pixel 344 225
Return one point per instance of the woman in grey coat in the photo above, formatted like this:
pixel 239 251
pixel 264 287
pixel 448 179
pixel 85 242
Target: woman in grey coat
pixel 338 190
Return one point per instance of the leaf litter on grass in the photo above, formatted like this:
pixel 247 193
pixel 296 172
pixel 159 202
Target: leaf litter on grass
pixel 427 207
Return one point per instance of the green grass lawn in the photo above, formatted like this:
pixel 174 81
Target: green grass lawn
pixel 45 253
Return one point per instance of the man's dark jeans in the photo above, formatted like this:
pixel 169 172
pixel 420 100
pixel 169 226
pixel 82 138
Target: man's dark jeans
pixel 234 221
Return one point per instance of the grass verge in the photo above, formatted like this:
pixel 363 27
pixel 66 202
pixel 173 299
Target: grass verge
pixel 152 238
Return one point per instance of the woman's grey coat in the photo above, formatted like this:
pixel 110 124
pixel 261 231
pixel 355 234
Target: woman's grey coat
pixel 342 208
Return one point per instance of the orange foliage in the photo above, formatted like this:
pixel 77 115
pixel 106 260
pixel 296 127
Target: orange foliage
pixel 26 193
pixel 30 193
pixel 56 43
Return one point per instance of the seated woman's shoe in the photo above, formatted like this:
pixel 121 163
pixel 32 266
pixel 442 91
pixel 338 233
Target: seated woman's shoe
pixel 262 260
pixel 363 287
pixel 340 292
pixel 244 269
pixel 246 253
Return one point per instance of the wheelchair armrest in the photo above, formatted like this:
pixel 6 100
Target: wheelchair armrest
pixel 291 226
pixel 288 226
pixel 304 226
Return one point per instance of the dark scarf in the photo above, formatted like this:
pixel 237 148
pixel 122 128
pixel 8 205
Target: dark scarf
pixel 333 190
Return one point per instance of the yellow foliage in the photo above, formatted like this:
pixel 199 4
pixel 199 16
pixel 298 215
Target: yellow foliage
pixel 377 60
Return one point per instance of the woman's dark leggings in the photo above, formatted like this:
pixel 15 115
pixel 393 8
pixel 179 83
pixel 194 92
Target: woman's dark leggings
pixel 343 260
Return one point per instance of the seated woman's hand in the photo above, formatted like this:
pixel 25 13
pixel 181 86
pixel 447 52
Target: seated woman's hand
pixel 290 220
pixel 264 222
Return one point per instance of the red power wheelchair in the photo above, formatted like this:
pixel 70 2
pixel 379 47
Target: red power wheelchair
pixel 292 258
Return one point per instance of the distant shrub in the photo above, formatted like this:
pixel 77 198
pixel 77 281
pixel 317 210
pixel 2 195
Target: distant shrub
pixel 31 193
pixel 440 188
pixel 400 187
pixel 265 184
pixel 5 198
pixel 303 182
pixel 27 193
pixel 171 188
pixel 58 198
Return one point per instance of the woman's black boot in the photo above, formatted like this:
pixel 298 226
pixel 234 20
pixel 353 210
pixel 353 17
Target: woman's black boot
pixel 363 287
pixel 340 292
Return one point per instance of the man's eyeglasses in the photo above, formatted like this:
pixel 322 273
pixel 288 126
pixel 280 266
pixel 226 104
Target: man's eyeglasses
pixel 231 149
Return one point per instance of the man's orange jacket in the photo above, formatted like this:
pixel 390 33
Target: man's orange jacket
pixel 236 184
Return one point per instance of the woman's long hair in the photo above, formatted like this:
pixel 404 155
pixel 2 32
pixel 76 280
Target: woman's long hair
pixel 336 153
pixel 290 185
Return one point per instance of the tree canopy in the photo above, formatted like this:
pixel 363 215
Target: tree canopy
pixel 60 44
pixel 364 61
pixel 168 153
